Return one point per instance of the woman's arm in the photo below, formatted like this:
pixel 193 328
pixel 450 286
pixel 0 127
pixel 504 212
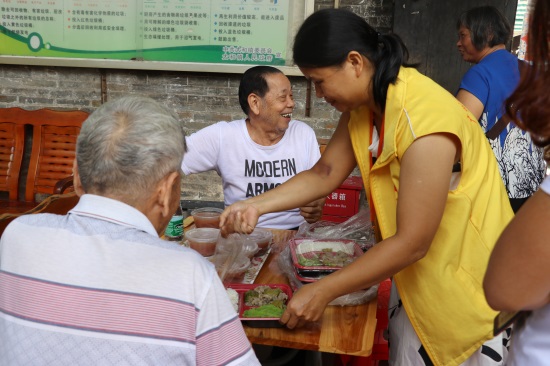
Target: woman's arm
pixel 471 102
pixel 422 196
pixel 518 274
pixel 334 166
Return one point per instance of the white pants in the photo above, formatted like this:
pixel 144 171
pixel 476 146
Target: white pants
pixel 406 349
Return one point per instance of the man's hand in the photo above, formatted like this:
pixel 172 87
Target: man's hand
pixel 313 211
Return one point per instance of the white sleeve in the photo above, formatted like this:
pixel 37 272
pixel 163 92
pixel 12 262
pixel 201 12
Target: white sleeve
pixel 203 149
pixel 545 185
pixel 315 152
pixel 313 146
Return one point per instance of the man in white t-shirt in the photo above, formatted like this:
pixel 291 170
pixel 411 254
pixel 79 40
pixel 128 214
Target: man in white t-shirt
pixel 256 154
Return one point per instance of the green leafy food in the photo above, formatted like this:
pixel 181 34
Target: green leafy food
pixel 263 295
pixel 265 311
pixel 312 262
pixel 272 292
pixel 279 303
pixel 250 295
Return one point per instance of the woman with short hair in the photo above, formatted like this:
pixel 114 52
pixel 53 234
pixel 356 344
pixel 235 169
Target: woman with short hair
pixel 483 33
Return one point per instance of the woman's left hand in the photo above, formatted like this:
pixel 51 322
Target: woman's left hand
pixel 306 305
pixel 313 211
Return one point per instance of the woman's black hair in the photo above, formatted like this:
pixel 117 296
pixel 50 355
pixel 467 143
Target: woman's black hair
pixel 327 37
pixel 253 81
pixel 487 25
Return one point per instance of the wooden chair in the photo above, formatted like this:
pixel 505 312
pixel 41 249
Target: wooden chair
pixel 12 142
pixel 57 204
pixel 52 154
pixel 53 149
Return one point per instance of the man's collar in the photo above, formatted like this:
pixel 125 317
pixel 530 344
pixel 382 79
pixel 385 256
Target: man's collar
pixel 109 209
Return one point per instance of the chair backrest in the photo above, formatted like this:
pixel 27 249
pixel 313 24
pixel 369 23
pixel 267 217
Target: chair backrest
pixel 12 143
pixel 57 204
pixel 53 148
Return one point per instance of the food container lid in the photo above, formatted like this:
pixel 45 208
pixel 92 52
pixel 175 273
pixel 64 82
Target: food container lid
pixel 237 244
pixel 206 209
pixel 234 264
pixel 323 255
pixel 228 265
pixel 259 234
pixel 202 234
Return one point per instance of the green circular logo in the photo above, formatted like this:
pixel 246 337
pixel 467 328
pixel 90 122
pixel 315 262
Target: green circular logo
pixel 35 42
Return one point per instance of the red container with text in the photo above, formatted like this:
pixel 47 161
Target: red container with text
pixel 344 202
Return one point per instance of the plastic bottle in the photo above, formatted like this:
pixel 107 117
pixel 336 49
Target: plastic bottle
pixel 174 230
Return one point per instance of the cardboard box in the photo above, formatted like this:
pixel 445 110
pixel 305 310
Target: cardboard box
pixel 343 203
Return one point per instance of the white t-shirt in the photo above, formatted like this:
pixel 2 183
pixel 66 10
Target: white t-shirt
pixel 248 169
pixel 531 344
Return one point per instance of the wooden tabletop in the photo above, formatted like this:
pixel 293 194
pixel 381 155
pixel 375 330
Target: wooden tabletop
pixel 342 329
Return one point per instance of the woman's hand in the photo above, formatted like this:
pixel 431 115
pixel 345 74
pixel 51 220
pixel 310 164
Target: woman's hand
pixel 313 211
pixel 306 305
pixel 240 217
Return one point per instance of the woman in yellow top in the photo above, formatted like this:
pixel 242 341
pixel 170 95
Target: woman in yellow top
pixel 438 226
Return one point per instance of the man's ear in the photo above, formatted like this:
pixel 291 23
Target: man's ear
pixel 167 190
pixel 254 102
pixel 76 180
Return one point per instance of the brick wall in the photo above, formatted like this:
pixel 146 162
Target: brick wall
pixel 199 98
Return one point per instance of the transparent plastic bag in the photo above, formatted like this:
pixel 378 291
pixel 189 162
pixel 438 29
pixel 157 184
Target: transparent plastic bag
pixel 358 228
pixel 232 256
pixel 355 298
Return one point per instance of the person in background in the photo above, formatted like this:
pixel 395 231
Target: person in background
pixel 98 286
pixel 262 151
pixel 518 271
pixel 483 33
pixel 437 227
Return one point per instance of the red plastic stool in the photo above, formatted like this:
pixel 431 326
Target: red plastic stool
pixel 380 350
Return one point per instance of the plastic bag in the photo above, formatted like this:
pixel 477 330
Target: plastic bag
pixel 355 298
pixel 358 228
pixel 232 256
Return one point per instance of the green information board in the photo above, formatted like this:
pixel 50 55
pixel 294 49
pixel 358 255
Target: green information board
pixel 209 35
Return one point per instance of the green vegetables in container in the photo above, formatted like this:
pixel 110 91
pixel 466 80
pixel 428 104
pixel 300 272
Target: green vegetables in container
pixel 274 310
pixel 266 302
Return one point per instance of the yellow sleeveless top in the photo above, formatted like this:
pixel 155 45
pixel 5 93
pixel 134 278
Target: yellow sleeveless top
pixel 442 293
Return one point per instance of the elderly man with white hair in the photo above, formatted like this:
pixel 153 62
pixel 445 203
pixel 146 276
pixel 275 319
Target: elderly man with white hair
pixel 98 286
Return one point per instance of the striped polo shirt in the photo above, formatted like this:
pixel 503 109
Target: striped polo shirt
pixel 99 287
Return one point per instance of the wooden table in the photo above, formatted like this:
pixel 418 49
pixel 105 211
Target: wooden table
pixel 342 329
